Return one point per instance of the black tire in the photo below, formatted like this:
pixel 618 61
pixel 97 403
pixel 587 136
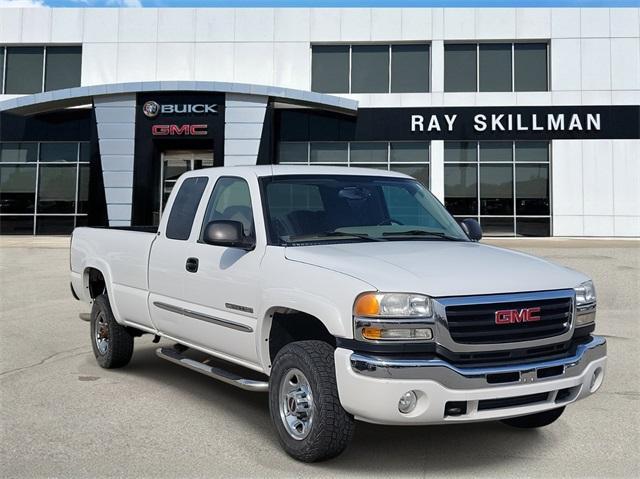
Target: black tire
pixel 331 427
pixel 531 421
pixel 116 352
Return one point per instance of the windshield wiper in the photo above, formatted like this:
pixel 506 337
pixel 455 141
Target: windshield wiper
pixel 330 234
pixel 434 234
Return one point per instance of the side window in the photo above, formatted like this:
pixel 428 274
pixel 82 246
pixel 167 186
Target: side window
pixel 184 208
pixel 230 200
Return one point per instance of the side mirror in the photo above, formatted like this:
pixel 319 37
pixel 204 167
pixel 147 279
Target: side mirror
pixel 472 228
pixel 227 233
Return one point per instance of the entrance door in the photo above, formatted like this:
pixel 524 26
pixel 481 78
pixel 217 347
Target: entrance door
pixel 177 162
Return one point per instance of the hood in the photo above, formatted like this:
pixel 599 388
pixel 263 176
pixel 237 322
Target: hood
pixel 439 268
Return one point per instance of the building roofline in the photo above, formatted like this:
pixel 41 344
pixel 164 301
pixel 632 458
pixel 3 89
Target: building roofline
pixel 68 97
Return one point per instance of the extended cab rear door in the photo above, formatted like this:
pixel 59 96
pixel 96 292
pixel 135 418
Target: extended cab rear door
pixel 169 257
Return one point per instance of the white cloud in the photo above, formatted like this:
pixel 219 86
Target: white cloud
pixel 21 3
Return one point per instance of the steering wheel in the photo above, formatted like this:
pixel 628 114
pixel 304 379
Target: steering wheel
pixel 390 221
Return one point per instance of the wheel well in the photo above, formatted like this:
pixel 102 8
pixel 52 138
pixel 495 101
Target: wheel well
pixel 290 326
pixel 96 282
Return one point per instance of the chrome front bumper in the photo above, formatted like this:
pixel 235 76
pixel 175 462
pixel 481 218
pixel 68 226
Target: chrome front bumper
pixel 475 377
pixel 370 386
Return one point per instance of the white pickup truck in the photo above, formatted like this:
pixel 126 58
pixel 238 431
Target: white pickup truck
pixel 346 294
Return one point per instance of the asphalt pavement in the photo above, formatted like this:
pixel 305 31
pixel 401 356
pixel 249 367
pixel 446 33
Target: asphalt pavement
pixel 63 416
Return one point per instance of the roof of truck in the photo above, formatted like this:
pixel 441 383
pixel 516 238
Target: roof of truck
pixel 302 169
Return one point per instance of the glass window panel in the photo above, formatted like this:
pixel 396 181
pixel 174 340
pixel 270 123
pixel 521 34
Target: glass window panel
pixel 369 152
pixel 409 68
pixel 496 190
pixel 532 151
pixel 16 225
pixel 461 189
pixel 419 172
pixel 370 69
pixel 85 152
pixel 495 67
pixel 57 189
pixel 184 208
pixel 496 151
pixel 1 69
pixel 82 221
pixel 62 68
pixel 24 70
pixel 530 67
pixel 497 226
pixel 460 67
pixel 230 200
pixel 58 152
pixel 409 151
pixel 328 152
pixel 532 189
pixel 83 189
pixel 54 225
pixel 18 152
pixel 533 227
pixel 460 151
pixel 17 188
pixel 290 152
pixel 330 68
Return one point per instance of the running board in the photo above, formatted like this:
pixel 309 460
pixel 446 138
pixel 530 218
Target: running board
pixel 213 372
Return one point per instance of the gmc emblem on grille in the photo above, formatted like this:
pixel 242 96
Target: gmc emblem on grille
pixel 511 316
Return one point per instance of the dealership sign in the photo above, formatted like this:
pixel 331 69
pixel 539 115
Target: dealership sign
pixel 152 109
pixel 493 123
pixel 179 130
pixel 511 122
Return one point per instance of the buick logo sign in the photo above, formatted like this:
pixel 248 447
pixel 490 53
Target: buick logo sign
pixel 151 109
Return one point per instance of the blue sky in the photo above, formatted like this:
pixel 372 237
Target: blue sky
pixel 323 3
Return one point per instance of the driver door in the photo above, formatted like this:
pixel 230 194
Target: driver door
pixel 224 291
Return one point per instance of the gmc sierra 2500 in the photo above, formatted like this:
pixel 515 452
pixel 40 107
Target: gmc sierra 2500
pixel 346 294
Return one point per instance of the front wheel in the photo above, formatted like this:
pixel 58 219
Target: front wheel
pixel 112 343
pixel 539 419
pixel 303 400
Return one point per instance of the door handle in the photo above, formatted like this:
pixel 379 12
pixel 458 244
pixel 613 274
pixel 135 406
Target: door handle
pixel 192 265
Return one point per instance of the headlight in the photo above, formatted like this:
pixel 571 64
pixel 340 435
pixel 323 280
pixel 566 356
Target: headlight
pixel 585 303
pixel 392 305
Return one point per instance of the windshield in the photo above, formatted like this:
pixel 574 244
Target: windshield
pixel 304 209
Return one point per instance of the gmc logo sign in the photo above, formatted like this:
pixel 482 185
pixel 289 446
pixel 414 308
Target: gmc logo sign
pixel 511 316
pixel 179 130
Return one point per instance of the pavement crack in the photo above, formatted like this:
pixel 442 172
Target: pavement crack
pixel 43 361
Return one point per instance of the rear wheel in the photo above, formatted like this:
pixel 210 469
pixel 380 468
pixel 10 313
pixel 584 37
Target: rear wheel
pixel 112 343
pixel 303 401
pixel 539 419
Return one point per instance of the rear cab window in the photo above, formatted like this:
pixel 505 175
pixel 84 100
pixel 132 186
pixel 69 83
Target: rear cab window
pixel 183 210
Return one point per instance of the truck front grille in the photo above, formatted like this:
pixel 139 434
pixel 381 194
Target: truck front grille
pixel 476 323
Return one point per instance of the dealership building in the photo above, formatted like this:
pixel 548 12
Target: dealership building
pixel 525 119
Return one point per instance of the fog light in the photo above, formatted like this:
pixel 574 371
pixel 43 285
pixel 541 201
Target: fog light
pixel 596 380
pixel 397 334
pixel 407 402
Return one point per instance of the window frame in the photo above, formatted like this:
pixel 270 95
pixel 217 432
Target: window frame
pixel 514 163
pixel 390 46
pixel 209 203
pixel 513 43
pixel 3 71
pixel 388 163
pixel 77 215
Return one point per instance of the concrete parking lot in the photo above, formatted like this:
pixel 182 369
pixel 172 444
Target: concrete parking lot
pixel 63 416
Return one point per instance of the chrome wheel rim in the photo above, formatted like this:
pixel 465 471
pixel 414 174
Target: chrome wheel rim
pixel 102 334
pixel 296 404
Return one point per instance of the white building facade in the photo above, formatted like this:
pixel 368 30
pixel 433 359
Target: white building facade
pixel 524 118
